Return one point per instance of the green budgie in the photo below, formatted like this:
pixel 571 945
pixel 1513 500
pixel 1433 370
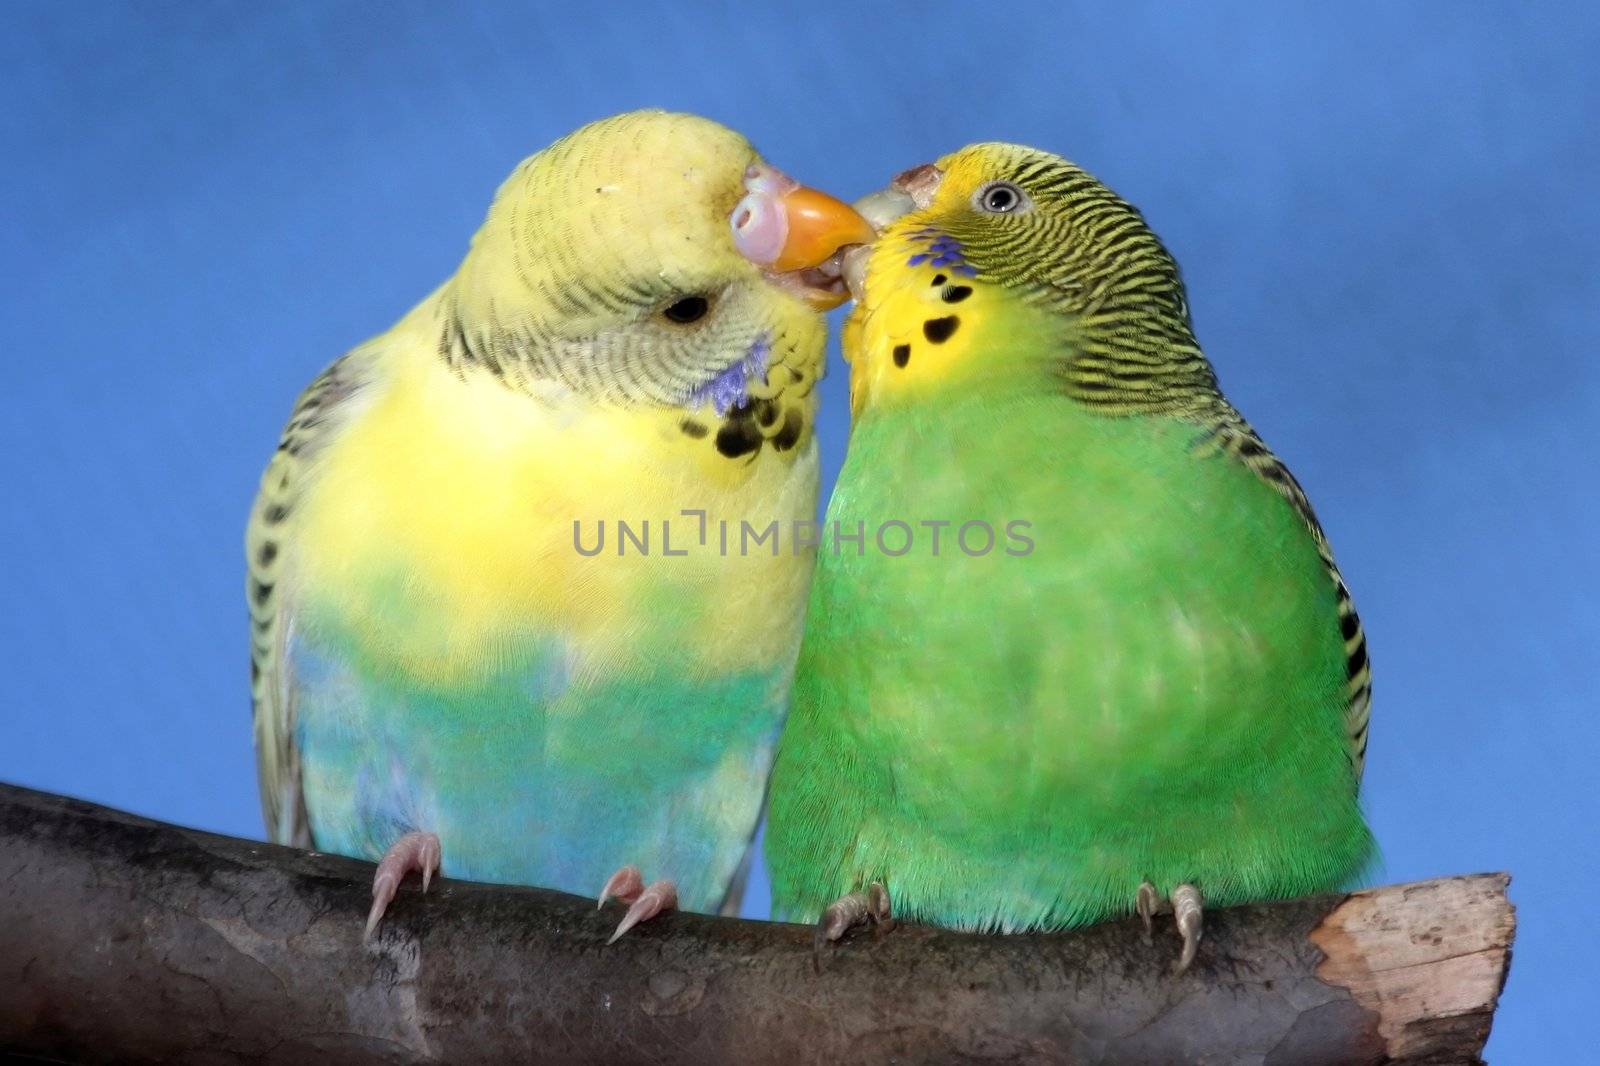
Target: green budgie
pixel 454 667
pixel 1128 676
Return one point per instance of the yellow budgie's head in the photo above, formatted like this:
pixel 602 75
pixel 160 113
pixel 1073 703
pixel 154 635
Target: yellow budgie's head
pixel 1007 265
pixel 654 260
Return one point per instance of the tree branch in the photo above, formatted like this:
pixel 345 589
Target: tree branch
pixel 123 939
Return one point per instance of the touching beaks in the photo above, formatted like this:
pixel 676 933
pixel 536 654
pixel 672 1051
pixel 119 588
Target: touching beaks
pixel 911 190
pixel 797 232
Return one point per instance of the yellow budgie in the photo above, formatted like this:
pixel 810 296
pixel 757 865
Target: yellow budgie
pixel 447 673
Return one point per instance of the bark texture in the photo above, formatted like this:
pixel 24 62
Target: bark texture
pixel 128 940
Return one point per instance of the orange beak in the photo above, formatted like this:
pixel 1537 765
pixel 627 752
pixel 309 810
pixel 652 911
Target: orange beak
pixel 787 228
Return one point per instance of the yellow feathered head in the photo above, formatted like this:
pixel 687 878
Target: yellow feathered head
pixel 651 259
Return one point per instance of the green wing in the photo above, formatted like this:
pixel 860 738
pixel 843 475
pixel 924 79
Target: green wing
pixel 320 411
pixel 1227 431
pixel 1133 351
pixel 1112 375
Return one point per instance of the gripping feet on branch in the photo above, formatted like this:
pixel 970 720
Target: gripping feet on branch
pixel 414 851
pixel 627 885
pixel 848 911
pixel 1188 909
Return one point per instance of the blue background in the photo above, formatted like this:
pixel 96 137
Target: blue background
pixel 1388 216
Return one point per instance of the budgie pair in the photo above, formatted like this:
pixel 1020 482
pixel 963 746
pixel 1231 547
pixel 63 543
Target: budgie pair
pixel 1162 703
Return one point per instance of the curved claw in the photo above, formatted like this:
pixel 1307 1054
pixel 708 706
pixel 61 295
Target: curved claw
pixel 879 909
pixel 414 851
pixel 660 896
pixel 1187 907
pixel 382 894
pixel 431 855
pixel 625 884
pixel 1147 903
pixel 851 910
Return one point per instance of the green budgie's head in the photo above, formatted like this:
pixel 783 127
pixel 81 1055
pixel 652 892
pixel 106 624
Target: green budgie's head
pixel 610 266
pixel 1002 259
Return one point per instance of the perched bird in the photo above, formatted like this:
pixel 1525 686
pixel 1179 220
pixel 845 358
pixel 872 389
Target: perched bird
pixel 1093 655
pixel 447 670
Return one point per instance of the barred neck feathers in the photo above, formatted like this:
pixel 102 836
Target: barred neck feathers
pixel 1105 271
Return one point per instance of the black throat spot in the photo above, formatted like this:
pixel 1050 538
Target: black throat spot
pixel 939 330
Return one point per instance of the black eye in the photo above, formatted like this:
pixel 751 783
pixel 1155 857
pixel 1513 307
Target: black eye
pixel 1000 198
pixel 689 309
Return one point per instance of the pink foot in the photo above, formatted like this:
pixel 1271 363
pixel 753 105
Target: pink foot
pixel 627 885
pixel 414 851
